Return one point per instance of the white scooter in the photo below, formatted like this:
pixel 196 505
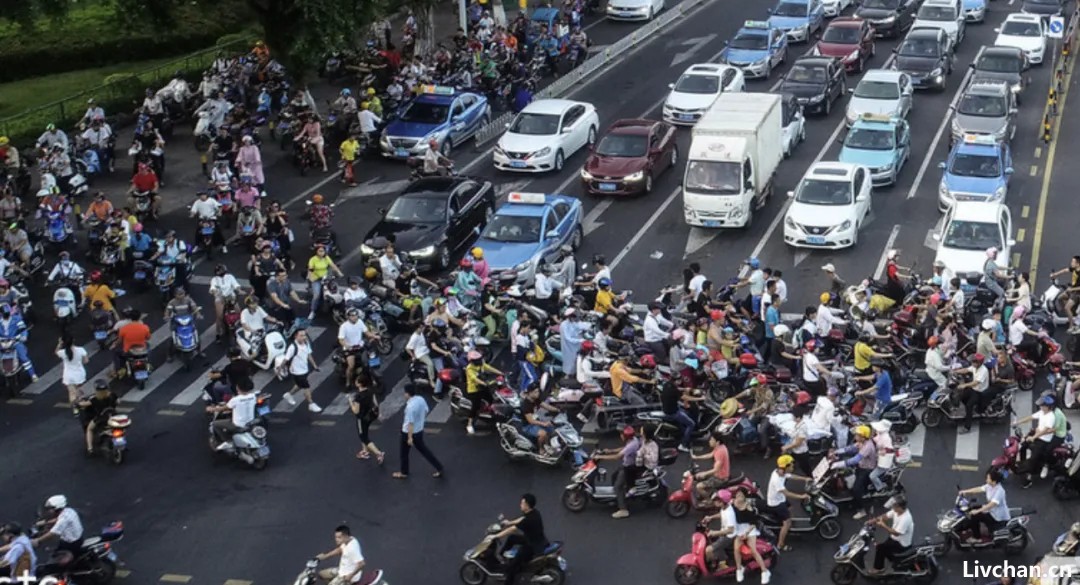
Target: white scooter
pixel 264 348
pixel 65 309
pixel 1049 303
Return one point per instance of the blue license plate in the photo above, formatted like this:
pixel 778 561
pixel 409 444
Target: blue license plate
pixel 263 411
pixel 401 153
pixel 375 362
pixel 686 117
pixel 99 335
pixel 140 275
pixel 607 186
pixel 711 223
pixel 264 451
pixel 119 441
pixel 517 164
pixel 206 231
pixel 815 240
pixel 142 375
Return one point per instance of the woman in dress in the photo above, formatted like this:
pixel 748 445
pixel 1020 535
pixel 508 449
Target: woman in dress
pixel 249 161
pixel 74 359
pixel 365 407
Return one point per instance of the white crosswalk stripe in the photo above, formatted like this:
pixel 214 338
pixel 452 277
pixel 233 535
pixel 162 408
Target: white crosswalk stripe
pixel 55 373
pixel 161 375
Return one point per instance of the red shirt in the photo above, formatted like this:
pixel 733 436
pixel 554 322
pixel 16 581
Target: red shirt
pixel 891 271
pixel 133 334
pixel 144 182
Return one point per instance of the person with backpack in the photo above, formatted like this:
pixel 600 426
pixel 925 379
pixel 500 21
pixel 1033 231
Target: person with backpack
pixel 299 362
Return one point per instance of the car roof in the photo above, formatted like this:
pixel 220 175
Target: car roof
pixel 434 185
pixel 525 210
pixel 980 211
pixel 925 32
pixel 946 3
pixel 819 61
pixel 999 50
pixel 1019 16
pixel 633 126
pixel 706 69
pixel 882 75
pixel 847 22
pixel 831 171
pixel 979 149
pixel 876 124
pixel 755 31
pixel 988 87
pixel 442 100
pixel 550 106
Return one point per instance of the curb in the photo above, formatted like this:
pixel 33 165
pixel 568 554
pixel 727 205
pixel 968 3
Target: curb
pixel 597 63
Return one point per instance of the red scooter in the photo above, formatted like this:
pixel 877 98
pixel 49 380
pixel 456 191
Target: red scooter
pixel 692 566
pixel 681 501
pixel 1009 462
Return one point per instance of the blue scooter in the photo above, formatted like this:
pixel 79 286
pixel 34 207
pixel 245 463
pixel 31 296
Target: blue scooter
pixel 185 339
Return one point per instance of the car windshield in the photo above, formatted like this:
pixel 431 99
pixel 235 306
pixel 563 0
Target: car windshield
pixel 423 113
pixel 972 235
pixel 877 90
pixel 535 124
pixel 998 64
pixel 814 192
pixel 706 84
pixel 881 4
pixel 808 74
pixel 513 228
pixel 930 12
pixel 750 42
pixel 417 210
pixel 869 139
pixel 1021 29
pixel 841 35
pixel 1047 2
pixel 796 9
pixel 713 178
pixel 988 106
pixel 623 145
pixel 975 165
pixel 919 48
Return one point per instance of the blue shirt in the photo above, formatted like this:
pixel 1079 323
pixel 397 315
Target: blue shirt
pixel 772 319
pixel 883 382
pixel 416 411
pixel 19 547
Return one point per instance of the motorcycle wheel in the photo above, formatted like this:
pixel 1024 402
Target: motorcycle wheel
pixel 829 529
pixel 385 346
pixel 843 574
pixel 677 509
pixel 1017 545
pixel 1026 383
pixel 104 572
pixel 687 574
pixel 575 500
pixel 930 576
pixel 117 456
pixel 470 574
pixel 552 575
pixel 1061 489
pixel 932 417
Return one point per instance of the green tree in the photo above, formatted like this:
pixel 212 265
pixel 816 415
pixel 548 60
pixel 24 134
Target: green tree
pixel 423 10
pixel 301 33
pixel 27 13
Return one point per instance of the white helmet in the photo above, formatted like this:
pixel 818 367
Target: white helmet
pixel 991 252
pixel 56 502
pixel 988 324
pixel 781 330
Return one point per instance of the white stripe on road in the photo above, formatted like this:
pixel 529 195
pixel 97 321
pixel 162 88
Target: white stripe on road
pixel 937 137
pixel 916 441
pixel 338 406
pixel 967 444
pixel 885 253
pixel 55 373
pixel 645 228
pixel 162 374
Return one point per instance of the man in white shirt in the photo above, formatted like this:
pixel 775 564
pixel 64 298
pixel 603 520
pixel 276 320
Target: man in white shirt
pixel 253 318
pixel 974 392
pixel 724 536
pixel 900 526
pixel 781 286
pixel 547 296
pixel 351 566
pixel 936 369
pixel 93 112
pixel 64 525
pixel 1040 440
pixel 390 266
pixel 418 350
pixel 696 281
pixel 656 330
pixel 827 320
pixel 351 335
pixel 369 122
pixel 243 412
pixel 203 209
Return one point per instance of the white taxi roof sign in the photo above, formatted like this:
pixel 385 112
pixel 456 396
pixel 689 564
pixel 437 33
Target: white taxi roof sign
pixel 756 24
pixel 437 89
pixel 983 139
pixel 527 198
pixel 870 117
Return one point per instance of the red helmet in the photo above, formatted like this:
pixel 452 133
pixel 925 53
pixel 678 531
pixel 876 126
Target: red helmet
pixel 932 342
pixel 95 276
pixel 465 263
pixel 647 361
pixel 802 397
pixel 762 379
pixel 747 360
pixel 587 346
pixel 628 431
pixel 978 358
pixel 716 314
pixel 1057 360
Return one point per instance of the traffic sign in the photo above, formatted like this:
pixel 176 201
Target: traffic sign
pixel 1057 27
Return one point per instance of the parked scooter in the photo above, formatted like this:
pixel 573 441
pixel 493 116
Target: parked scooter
pixel 692 566
pixel 484 561
pixel 589 484
pixel 249 444
pixel 1013 537
pixel 918 565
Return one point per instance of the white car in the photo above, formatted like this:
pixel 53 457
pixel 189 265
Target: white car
pixel 968 230
pixel 794 123
pixel 882 92
pixel 835 7
pixel 947 15
pixel 545 134
pixel 1026 32
pixel 830 204
pixel 634 9
pixel 697 88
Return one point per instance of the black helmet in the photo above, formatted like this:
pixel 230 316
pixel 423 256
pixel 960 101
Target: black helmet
pixel 101 385
pixel 220 270
pixel 599 259
pixel 11 528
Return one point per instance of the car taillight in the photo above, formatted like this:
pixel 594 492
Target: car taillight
pixel 118 433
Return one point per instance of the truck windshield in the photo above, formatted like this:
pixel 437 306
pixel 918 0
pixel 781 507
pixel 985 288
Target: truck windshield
pixel 713 177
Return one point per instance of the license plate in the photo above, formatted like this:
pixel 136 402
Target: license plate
pixel 264 451
pixel 207 231
pixel 119 442
pixel 686 117
pixel 815 240
pixel 711 223
pixel 374 362
pixel 607 186
pixel 99 335
pixel 844 548
pixel 263 411
pixel 401 153
pixel 517 164
pixel 140 275
pixel 142 375
pixel 112 556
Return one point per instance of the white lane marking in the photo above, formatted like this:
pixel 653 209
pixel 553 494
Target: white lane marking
pixel 645 228
pixel 967 444
pixel 326 369
pixel 160 375
pixel 885 253
pixel 338 406
pixel 194 390
pixel 937 137
pixel 698 238
pixel 695 44
pixel 56 372
pixel 592 222
pixel 916 441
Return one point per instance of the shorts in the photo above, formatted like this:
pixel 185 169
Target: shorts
pixel 301 381
pixel 712 484
pixel 781 512
pixel 531 431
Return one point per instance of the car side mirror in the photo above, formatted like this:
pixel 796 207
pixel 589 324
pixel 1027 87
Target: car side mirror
pixel 997 30
pixel 566 130
pixel 671 86
pixel 726 43
pixel 552 235
pixel 936 236
pixel 790 194
pixel 1014 111
pixel 1009 171
pixel 860 198
pixel 941 166
pixel 381 211
pixel 769 11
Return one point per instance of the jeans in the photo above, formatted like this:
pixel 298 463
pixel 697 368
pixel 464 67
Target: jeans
pixel 315 288
pixel 438 361
pixel 879 409
pixel 875 478
pixel 528 374
pixel 24 358
pixel 685 423
pixel 418 442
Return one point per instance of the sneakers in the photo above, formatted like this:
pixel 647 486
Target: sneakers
pixel 765 576
pixel 223 446
pixel 311 316
pixel 1045 471
pixel 289 398
pixel 1027 483
pixel 859 515
pixel 683 448
pixel 740 574
pixel 34 378
pixel 314 408
pixel 469 429
pixel 224 249
pixel 620 514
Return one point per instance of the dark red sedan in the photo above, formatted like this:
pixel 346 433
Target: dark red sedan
pixel 851 40
pixel 629 157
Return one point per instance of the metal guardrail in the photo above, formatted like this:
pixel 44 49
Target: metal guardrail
pixel 113 97
pixel 496 127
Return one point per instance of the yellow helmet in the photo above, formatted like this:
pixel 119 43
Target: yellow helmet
pixel 370 272
pixel 863 431
pixel 4 141
pixel 317 198
pixel 785 461
pixel 371 91
pixel 364 105
pixel 825 297
pixel 478 252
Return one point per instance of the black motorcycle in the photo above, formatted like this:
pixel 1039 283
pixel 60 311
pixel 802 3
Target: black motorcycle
pixel 94 564
pixel 485 561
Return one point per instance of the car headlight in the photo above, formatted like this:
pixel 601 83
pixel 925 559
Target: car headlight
pixel 635 176
pixel 998 195
pixel 542 152
pixel 887 20
pixel 366 250
pixel 802 29
pixel 816 99
pixel 585 175
pixel 667 107
pixel 846 225
pixel 761 62
pixel 524 266
pixel 854 55
pixel 425 251
pixel 790 223
pixel 936 72
pixel 499 150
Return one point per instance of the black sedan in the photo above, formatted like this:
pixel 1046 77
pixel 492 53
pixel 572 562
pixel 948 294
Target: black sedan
pixel 888 17
pixel 816 82
pixel 1043 8
pixel 435 217
pixel 926 55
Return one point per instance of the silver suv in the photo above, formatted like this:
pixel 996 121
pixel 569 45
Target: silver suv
pixel 986 107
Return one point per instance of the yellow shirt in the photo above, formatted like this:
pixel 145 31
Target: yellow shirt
pixel 863 354
pixel 619 376
pixel 318 267
pixel 472 377
pixel 349 149
pixel 605 300
pixel 99 292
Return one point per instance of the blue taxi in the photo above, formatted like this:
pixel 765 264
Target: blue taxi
pixel 756 49
pixel 528 228
pixel 880 143
pixel 800 19
pixel 978 169
pixel 441 113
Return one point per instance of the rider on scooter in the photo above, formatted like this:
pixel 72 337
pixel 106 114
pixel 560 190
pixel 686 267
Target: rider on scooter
pixel 434 162
pixel 628 472
pixel 719 474
pixel 900 526
pixel 526 533
pixel 96 410
pixel 725 536
pixel 67 270
pixel 537 428
pixel 13 327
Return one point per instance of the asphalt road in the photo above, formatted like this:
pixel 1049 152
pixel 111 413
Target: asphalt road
pixel 194 519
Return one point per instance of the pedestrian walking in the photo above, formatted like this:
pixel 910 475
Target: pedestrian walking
pixel 74 359
pixel 300 362
pixel 365 406
pixel 412 433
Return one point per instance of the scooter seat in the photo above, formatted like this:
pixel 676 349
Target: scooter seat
pixel 899 397
pixel 119 421
pixel 906 554
pixel 62 558
pixel 89 542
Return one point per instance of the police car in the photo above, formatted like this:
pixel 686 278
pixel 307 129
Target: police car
pixel 444 114
pixel 879 143
pixel 978 169
pixel 756 49
pixel 529 228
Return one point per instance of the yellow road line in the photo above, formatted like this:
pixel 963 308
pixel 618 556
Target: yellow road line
pixel 237 582
pixel 20 401
pixel 959 467
pixel 914 464
pixel 1025 211
pixel 172 578
pixel 1034 170
pixel 1015 259
pixel 1020 233
pixel 1038 152
pixel 1044 195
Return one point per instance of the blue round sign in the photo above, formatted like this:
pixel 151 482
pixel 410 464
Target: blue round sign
pixel 1056 26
